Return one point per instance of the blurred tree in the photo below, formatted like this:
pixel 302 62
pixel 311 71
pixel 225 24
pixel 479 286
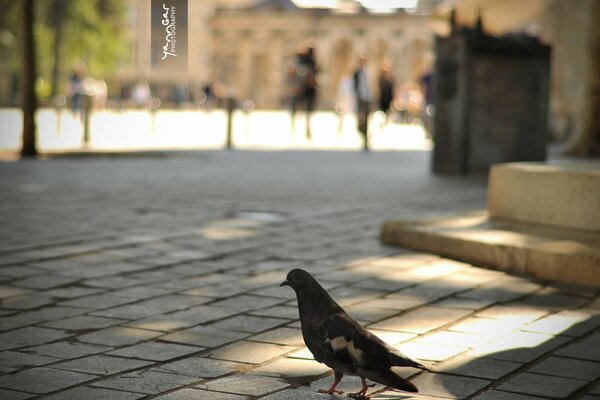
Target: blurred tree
pixel 58 12
pixel 67 31
pixel 82 30
pixel 10 53
pixel 29 74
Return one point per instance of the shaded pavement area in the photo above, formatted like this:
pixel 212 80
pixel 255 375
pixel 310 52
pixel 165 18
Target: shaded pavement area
pixel 131 278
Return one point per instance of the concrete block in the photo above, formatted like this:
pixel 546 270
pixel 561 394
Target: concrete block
pixel 565 195
pixel 546 253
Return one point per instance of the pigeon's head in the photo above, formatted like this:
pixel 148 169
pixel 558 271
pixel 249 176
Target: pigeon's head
pixel 298 279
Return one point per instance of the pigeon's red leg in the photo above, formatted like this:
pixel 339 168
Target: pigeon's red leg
pixel 337 378
pixel 362 394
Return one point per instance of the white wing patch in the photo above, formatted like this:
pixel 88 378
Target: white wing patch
pixel 340 343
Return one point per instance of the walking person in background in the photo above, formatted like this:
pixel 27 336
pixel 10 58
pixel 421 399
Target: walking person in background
pixel 76 88
pixel 386 90
pixel 124 94
pixel 306 72
pixel 141 94
pixel 428 107
pixel 363 99
pixel 345 97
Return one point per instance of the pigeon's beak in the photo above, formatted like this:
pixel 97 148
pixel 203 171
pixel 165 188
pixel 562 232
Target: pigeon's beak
pixel 285 283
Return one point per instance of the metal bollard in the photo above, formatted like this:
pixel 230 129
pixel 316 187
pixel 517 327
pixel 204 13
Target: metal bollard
pixel 87 110
pixel 59 103
pixel 363 122
pixel 230 107
pixel 155 104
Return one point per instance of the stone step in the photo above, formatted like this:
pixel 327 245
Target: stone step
pixel 543 252
pixel 561 194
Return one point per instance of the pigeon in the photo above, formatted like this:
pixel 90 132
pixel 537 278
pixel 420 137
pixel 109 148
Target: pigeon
pixel 341 343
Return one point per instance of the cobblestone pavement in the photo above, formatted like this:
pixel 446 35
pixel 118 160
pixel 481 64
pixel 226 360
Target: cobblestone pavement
pixel 132 278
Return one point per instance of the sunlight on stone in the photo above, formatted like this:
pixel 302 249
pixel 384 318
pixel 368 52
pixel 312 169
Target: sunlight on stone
pixel 514 341
pixel 477 218
pixel 561 322
pixel 251 352
pixel 403 260
pixel 392 338
pixel 430 351
pixel 224 234
pixel 485 326
pixel 163 326
pixel 497 236
pixel 7 291
pixel 292 367
pixel 360 262
pixel 433 269
pixel 570 247
pixel 233 228
pixel 303 353
pixel 458 339
pixel 514 312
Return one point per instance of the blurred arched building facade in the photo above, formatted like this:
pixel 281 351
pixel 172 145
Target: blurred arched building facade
pixel 254 47
pixel 247 47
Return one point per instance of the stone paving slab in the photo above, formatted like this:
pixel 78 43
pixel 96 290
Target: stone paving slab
pixel 197 394
pixel 199 367
pixel 251 385
pixel 159 278
pixel 43 380
pixel 145 382
pixel 101 365
pixel 92 393
pixel 542 385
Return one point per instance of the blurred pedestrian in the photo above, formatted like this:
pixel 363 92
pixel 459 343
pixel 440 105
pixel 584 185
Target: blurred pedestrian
pixel 345 97
pixel 124 93
pixel 141 94
pixel 180 94
pixel 426 83
pixel 386 90
pixel 208 98
pixel 306 73
pixel 76 88
pixel 99 90
pixel 290 89
pixel 363 99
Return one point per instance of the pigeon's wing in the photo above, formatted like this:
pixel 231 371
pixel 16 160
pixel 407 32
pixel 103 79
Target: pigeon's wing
pixel 348 343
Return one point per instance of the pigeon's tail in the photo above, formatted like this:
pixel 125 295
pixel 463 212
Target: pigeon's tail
pixel 390 378
pixel 397 359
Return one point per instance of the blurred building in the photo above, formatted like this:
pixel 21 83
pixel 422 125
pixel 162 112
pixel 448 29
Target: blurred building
pixel 248 46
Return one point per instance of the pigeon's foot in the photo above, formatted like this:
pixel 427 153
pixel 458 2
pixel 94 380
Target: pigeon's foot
pixel 362 394
pixel 330 391
pixel 337 378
